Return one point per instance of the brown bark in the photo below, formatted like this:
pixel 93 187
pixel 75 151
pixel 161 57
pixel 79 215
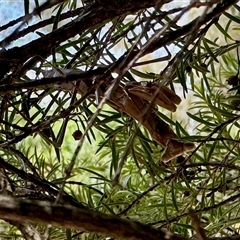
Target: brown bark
pixel 75 218
pixel 93 15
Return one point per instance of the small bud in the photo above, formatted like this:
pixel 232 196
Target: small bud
pixel 233 80
pixel 77 135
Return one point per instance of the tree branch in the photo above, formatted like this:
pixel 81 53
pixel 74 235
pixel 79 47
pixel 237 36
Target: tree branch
pixel 42 183
pixel 93 15
pixel 76 218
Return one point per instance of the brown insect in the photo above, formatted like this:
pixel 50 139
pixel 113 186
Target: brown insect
pixel 134 99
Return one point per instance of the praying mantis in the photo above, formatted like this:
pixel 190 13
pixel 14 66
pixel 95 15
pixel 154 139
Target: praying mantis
pixel 138 96
pixel 133 99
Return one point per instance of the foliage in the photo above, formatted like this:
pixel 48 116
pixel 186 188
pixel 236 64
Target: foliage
pixel 65 142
